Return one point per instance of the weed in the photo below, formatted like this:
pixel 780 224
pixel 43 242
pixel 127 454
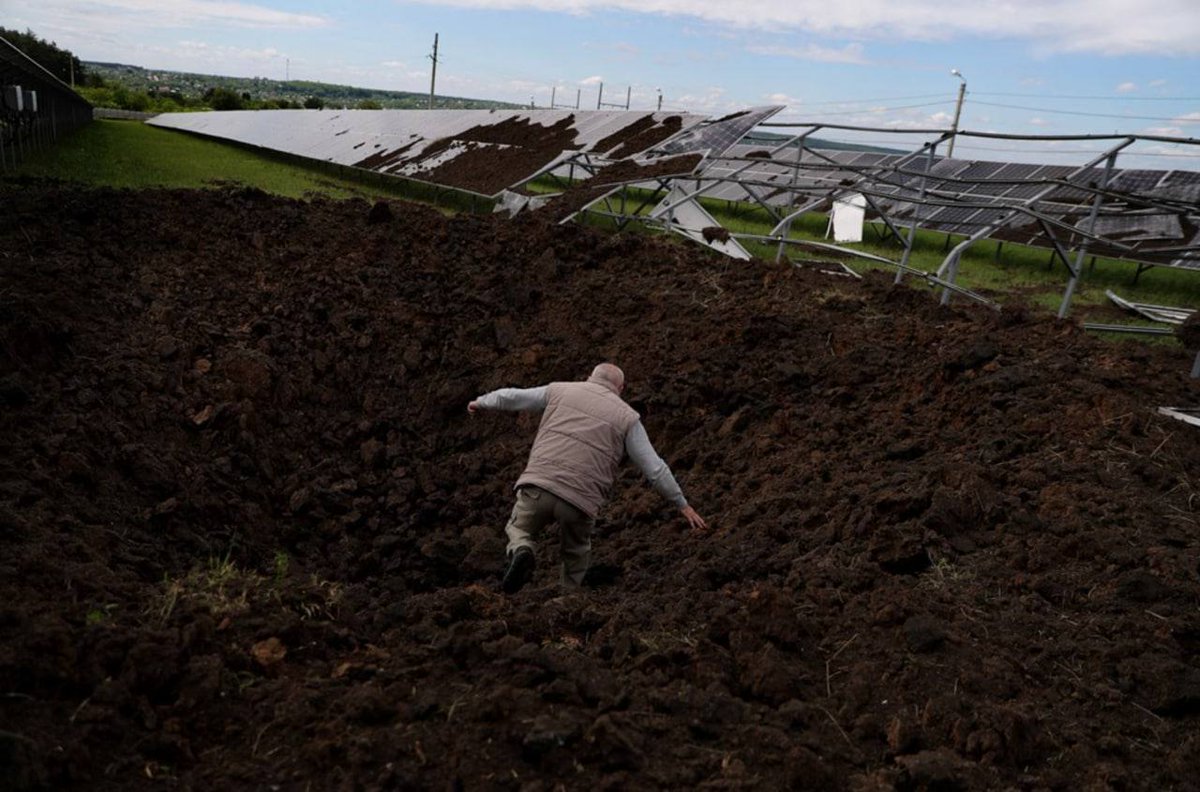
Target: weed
pixel 281 566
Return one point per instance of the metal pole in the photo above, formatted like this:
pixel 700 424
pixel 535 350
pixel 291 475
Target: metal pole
pixel 660 101
pixel 962 91
pixel 1083 246
pixel 628 96
pixel 600 96
pixel 433 74
pixel 787 229
pixel 553 93
pixel 912 229
pixel 578 96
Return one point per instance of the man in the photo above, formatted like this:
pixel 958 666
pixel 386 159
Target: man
pixel 586 429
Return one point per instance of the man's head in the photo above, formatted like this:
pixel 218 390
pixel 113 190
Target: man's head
pixel 610 375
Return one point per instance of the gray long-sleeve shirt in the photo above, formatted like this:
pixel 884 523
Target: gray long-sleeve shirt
pixel 637 443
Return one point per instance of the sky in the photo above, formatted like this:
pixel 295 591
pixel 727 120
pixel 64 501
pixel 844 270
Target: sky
pixel 1030 67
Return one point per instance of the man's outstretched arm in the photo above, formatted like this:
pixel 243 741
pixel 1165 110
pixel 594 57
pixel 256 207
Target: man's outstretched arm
pixel 656 471
pixel 512 400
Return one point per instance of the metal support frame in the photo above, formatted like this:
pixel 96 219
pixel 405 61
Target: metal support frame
pixel 1077 269
pixel 912 228
pixel 949 267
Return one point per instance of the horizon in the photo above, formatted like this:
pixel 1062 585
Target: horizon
pixel 1028 68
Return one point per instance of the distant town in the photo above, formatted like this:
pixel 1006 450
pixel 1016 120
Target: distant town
pixel 158 90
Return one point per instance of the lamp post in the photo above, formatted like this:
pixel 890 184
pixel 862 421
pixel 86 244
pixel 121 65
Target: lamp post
pixel 962 91
pixel 659 98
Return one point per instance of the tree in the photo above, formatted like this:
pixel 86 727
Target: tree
pixel 223 99
pixel 47 54
pixel 314 103
pixel 369 104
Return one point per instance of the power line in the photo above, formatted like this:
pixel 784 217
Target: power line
pixel 1101 98
pixel 881 109
pixel 879 99
pixel 1078 112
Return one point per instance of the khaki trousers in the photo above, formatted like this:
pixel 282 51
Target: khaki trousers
pixel 534 510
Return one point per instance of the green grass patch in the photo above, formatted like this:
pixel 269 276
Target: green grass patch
pixel 128 154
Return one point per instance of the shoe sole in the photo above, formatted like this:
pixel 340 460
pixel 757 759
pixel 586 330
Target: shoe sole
pixel 519 571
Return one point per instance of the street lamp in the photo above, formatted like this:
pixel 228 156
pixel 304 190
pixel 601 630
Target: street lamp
pixel 962 91
pixel 659 97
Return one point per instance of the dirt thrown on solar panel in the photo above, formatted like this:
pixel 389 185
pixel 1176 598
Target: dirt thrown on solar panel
pixel 252 539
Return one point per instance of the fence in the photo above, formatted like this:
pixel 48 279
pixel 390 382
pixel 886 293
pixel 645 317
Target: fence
pixel 35 106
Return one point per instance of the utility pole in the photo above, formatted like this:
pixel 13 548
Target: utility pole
pixel 433 76
pixel 962 91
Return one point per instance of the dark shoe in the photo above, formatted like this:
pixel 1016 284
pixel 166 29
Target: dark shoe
pixel 520 570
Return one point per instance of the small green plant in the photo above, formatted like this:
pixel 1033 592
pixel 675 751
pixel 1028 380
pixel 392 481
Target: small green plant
pixel 281 566
pixel 99 615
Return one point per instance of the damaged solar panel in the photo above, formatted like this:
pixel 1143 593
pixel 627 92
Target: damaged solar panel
pixel 478 151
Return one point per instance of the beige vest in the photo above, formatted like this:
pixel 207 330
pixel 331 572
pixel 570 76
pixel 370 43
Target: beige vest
pixel 579 443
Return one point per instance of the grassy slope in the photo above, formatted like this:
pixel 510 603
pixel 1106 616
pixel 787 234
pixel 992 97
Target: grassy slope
pixel 133 155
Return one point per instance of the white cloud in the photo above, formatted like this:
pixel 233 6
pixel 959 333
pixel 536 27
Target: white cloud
pixel 1038 122
pixel 1157 83
pixel 1126 87
pixel 1163 131
pixel 1188 119
pixel 593 80
pixel 851 53
pixel 783 99
pixel 180 13
pixel 1108 27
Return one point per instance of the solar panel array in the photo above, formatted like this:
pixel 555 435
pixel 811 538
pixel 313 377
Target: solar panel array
pixel 422 144
pixel 1145 215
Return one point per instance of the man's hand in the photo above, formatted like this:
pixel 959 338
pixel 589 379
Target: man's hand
pixel 473 407
pixel 694 520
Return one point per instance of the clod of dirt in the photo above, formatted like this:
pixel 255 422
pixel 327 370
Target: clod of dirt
pixel 715 233
pixel 923 633
pixel 268 653
pixel 380 213
pixel 1189 332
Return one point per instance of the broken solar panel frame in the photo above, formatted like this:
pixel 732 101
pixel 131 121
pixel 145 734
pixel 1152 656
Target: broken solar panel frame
pixel 348 137
pixel 1157 207
pixel 714 138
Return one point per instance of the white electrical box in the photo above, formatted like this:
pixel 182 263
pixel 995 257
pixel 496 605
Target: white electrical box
pixel 14 98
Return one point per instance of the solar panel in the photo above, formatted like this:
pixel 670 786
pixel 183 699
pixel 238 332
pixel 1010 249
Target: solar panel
pixel 1133 181
pixel 482 151
pixel 1136 227
pixel 717 137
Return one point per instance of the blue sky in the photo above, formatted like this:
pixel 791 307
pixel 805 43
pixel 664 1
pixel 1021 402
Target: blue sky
pixel 1032 66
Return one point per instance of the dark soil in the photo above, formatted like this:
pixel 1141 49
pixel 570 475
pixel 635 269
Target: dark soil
pixel 252 540
pixel 496 156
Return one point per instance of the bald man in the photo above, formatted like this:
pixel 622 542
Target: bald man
pixel 586 429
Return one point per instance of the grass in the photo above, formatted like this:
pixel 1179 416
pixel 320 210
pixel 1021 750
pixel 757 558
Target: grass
pixel 127 154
